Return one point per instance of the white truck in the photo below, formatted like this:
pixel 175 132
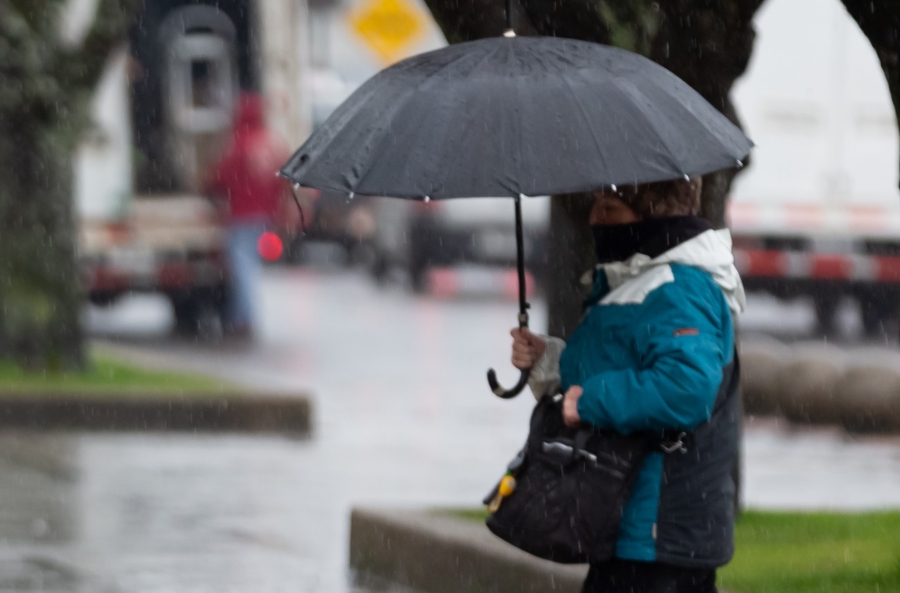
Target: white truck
pixel 817 212
pixel 160 116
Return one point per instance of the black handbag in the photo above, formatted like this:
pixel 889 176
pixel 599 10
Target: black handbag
pixel 571 485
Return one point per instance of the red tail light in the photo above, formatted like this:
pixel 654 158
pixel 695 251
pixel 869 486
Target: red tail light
pixel 270 246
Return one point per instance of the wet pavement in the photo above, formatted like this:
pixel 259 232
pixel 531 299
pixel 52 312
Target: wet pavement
pixel 403 417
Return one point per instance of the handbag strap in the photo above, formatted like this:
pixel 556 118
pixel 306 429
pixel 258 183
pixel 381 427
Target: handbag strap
pixel 676 441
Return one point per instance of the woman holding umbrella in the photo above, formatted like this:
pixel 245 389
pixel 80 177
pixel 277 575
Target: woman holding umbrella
pixel 539 116
pixel 655 352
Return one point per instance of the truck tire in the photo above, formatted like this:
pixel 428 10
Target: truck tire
pixel 418 274
pixel 184 309
pixel 877 312
pixel 826 304
pixel 199 315
pixel 422 247
pixel 380 267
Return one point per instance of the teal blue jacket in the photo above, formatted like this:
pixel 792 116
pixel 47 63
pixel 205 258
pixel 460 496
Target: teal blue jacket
pixel 655 351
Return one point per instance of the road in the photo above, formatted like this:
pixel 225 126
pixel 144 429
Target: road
pixel 403 418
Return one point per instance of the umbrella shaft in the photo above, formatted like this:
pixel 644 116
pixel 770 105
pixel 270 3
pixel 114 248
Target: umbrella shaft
pixel 520 263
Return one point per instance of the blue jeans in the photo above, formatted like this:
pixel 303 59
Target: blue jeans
pixel 245 267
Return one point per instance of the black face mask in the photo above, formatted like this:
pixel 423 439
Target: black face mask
pixel 652 237
pixel 616 242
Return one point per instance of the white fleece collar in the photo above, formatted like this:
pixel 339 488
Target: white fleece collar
pixel 710 251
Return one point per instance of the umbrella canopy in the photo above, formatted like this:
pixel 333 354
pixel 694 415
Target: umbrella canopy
pixel 516 116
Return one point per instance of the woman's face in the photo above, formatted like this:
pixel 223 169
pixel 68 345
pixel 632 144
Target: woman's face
pixel 609 210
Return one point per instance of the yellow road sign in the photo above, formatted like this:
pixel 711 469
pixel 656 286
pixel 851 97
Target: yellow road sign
pixel 388 26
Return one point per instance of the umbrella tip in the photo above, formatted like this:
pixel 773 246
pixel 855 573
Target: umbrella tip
pixel 509 33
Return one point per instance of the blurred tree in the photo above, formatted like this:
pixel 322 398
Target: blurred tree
pixel 49 71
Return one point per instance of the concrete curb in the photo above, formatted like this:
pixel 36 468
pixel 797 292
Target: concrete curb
pixel 806 391
pixel 155 412
pixel 436 553
pixel 821 385
pixel 868 399
pixel 758 373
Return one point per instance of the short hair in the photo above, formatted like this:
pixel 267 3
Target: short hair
pixel 678 197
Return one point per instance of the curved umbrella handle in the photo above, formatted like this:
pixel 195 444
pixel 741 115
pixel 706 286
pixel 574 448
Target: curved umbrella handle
pixel 498 389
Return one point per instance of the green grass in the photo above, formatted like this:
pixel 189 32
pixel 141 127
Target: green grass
pixel 107 377
pixel 815 552
pixel 790 552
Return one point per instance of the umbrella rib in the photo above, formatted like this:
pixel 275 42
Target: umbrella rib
pixel 483 59
pixel 714 133
pixel 634 90
pixel 581 109
pixel 409 96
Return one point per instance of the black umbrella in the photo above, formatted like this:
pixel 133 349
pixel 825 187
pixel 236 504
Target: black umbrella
pixel 516 116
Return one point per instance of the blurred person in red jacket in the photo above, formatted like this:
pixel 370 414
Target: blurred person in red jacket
pixel 251 196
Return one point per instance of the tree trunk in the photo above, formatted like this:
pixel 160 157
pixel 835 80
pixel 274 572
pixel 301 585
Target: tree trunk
pixel 570 255
pixel 40 295
pixel 880 22
pixel 467 20
pixel 41 117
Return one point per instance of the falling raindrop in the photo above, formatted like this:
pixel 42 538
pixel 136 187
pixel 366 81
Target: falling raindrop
pixel 613 186
pixel 686 178
pixel 427 199
pixel 352 194
pixel 740 163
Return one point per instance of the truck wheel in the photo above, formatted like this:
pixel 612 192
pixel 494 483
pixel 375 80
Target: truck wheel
pixel 422 246
pixel 826 309
pixel 198 316
pixel 871 321
pixel 418 273
pixel 876 314
pixel 185 309
pixel 380 267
